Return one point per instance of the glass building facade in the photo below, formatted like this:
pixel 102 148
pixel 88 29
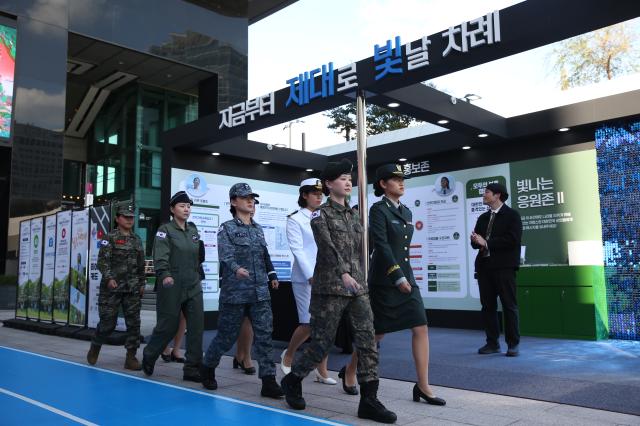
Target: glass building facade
pixel 44 166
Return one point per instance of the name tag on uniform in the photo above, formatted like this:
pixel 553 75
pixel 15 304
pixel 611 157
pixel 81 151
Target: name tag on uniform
pixel 241 234
pixel 121 242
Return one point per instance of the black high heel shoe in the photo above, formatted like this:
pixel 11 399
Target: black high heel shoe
pixel 166 358
pixel 240 365
pixel 417 394
pixel 177 358
pixel 351 390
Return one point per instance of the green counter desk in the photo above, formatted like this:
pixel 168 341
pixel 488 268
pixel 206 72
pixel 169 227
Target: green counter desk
pixel 563 301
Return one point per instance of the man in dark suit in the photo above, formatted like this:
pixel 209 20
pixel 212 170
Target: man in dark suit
pixel 497 236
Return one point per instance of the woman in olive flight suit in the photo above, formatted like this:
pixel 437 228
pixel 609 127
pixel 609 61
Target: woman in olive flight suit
pixel 176 261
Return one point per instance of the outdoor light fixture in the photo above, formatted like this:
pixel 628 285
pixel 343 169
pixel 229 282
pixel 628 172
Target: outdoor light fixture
pixel 393 105
pixel 215 154
pixel 470 97
pixel 483 135
pixel 563 129
pixel 266 162
pixel 402 159
pixel 466 147
pixel 443 121
pixel 309 170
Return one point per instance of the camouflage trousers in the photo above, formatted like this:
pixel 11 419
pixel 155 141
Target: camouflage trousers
pixel 326 313
pixel 229 322
pixel 108 304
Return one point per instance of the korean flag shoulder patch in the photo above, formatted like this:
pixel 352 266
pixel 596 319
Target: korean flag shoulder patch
pixel 104 243
pixel 315 214
pixel 161 234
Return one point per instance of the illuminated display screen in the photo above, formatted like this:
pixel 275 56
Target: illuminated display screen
pixel 618 149
pixel 7 72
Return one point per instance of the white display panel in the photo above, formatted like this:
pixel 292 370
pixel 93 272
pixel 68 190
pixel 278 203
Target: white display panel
pixel 210 194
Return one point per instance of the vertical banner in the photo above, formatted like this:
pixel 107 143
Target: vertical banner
pixel 100 224
pixel 78 273
pixel 35 268
pixel 23 268
pixel 61 273
pixel 48 269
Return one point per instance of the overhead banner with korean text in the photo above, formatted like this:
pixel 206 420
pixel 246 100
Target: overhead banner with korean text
pixel 23 268
pixel 78 272
pixel 35 268
pixel 48 269
pixel 61 273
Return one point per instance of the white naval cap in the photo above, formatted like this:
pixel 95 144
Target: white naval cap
pixel 312 182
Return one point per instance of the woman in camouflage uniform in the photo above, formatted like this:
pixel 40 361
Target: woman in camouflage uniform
pixel 339 288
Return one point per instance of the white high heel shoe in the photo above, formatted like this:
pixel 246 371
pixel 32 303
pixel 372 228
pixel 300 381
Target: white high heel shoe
pixel 323 380
pixel 286 370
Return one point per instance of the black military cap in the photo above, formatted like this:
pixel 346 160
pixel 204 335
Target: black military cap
pixel 241 190
pixel 498 188
pixel 388 171
pixel 336 169
pixel 180 197
pixel 385 172
pixel 126 210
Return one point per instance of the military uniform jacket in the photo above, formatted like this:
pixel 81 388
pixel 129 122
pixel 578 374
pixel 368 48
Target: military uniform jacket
pixel 121 258
pixel 243 246
pixel 338 234
pixel 176 255
pixel 302 245
pixel 390 231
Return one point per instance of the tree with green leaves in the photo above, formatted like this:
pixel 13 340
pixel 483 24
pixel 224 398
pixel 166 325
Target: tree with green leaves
pixel 379 120
pixel 592 57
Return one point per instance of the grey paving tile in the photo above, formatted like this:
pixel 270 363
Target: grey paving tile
pixel 463 407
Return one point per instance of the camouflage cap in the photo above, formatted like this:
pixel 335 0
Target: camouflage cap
pixel 241 190
pixel 127 210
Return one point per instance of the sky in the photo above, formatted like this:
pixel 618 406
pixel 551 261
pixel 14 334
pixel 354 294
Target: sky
pixel 311 33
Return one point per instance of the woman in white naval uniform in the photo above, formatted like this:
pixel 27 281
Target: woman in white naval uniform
pixel 304 249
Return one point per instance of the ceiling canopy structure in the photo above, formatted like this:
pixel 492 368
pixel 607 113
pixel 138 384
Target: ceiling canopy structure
pixel 499 34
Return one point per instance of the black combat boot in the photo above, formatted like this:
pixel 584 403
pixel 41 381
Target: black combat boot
pixel 191 375
pixel 147 366
pixel 208 376
pixel 131 362
pixel 292 387
pixel 370 407
pixel 92 355
pixel 271 388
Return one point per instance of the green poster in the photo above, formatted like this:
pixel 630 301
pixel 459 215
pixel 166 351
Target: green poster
pixel 558 200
